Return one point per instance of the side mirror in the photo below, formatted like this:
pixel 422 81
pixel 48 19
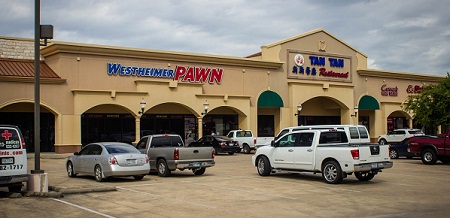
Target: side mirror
pixel 272 143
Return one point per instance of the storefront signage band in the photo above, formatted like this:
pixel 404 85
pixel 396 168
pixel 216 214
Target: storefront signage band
pixel 321 63
pixel 181 73
pixel 389 91
pixel 414 89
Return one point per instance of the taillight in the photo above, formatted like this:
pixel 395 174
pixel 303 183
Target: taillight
pixel 213 153
pixel 355 154
pixel 176 154
pixel 254 141
pixel 112 160
pixel 222 144
pixel 146 159
pixel 23 144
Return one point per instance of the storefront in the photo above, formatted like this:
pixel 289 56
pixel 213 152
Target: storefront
pixel 102 93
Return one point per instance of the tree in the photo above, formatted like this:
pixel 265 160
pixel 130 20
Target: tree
pixel 431 107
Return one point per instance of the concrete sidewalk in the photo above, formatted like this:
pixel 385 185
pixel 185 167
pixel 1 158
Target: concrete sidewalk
pixel 49 155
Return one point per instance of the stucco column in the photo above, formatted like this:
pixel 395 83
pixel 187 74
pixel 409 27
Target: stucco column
pixel 200 126
pixel 138 130
pixel 439 130
pixel 410 123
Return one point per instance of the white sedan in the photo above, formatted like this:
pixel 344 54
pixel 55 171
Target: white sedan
pixel 108 159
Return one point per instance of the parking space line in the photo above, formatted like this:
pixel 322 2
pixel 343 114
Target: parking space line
pixel 84 208
pixel 160 196
pixel 241 190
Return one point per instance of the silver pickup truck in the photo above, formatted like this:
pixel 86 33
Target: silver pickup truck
pixel 167 153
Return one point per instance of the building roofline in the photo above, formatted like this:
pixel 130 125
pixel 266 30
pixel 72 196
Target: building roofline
pixel 79 48
pixel 398 75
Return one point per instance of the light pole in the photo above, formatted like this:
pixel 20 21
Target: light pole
pixel 299 109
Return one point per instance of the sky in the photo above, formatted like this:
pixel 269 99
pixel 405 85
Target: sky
pixel 397 35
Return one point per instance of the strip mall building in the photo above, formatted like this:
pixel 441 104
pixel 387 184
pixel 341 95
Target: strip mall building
pixel 94 93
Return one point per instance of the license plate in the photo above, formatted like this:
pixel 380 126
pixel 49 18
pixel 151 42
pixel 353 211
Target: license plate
pixel 8 160
pixel 131 161
pixel 196 164
pixel 374 165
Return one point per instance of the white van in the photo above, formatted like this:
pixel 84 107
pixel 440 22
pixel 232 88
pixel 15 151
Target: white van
pixel 357 134
pixel 13 158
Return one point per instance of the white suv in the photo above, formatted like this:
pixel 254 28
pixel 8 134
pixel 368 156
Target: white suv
pixel 397 135
pixel 13 158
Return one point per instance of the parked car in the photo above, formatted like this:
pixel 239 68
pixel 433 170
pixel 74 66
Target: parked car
pixel 431 148
pixel 220 144
pixel 108 159
pixel 247 141
pixel 400 149
pixel 167 153
pixel 397 135
pixel 322 151
pixel 13 158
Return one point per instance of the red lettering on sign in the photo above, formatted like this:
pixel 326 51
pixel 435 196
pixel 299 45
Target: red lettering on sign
pixel 216 75
pixel 6 134
pixel 179 72
pixel 324 72
pixel 389 91
pixel 189 75
pixel 201 74
pixel 198 74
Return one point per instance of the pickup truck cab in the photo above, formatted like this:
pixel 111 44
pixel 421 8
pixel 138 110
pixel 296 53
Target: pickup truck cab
pixel 356 134
pixel 431 148
pixel 322 151
pixel 166 153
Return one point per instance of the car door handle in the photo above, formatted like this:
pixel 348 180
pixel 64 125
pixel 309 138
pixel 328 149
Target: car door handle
pixel 290 150
pixel 309 150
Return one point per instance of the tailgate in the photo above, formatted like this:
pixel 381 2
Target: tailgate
pixel 129 159
pixel 195 153
pixel 370 153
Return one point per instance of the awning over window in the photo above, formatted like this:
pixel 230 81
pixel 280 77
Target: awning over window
pixel 270 99
pixel 368 103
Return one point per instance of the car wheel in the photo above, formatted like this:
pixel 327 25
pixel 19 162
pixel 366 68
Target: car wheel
pixel 70 171
pixel 393 154
pixel 263 166
pixel 230 153
pixel 331 172
pixel 199 172
pixel 382 142
pixel 364 176
pixel 247 149
pixel 163 169
pixel 16 187
pixel 98 173
pixel 138 177
pixel 428 156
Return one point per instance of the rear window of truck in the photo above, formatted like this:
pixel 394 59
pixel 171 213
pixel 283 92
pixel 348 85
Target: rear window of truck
pixel 333 137
pixel 9 139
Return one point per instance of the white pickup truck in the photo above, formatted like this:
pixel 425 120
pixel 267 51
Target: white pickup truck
pixel 322 151
pixel 247 142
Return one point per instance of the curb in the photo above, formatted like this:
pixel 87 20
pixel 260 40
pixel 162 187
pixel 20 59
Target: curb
pixel 80 190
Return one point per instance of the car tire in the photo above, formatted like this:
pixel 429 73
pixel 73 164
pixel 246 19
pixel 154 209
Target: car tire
pixel 162 168
pixel 246 149
pixel 199 172
pixel 382 142
pixel 138 177
pixel 428 157
pixel 393 154
pixel 70 171
pixel 332 172
pixel 263 166
pixel 364 176
pixel 16 187
pixel 98 174
pixel 230 153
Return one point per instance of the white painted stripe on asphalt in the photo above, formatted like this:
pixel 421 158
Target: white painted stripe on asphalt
pixel 160 196
pixel 243 190
pixel 84 208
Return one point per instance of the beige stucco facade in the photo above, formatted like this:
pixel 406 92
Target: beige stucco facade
pixel 86 86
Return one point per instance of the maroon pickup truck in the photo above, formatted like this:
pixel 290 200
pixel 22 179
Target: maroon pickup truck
pixel 431 148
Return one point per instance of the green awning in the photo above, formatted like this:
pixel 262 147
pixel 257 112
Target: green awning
pixel 270 99
pixel 368 103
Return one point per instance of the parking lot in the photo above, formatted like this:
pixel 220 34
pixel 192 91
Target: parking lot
pixel 233 188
